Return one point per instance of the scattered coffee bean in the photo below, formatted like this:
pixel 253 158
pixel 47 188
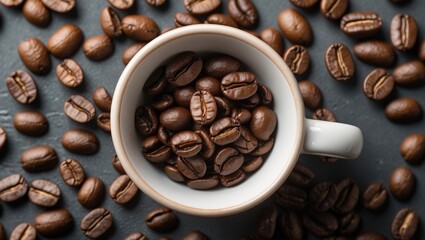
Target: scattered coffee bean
pixel 104 122
pixel 297 58
pixel 154 151
pixel 183 68
pixel 53 223
pixel 38 158
pixel 44 193
pixel 185 19
pixel 291 226
pixel 72 172
pixel 412 148
pixel 348 196
pixel 378 84
pixel 156 3
pixel 176 118
pixel 370 236
pixel 375 196
pixel 162 219
pixel 102 99
pixel 300 176
pixel 91 192
pixel 140 28
pixel 339 62
pixel 11 3
pixel 324 115
pixel 131 51
pixel 323 196
pixel 221 65
pixel 221 19
pixel 121 4
pixel 98 47
pixel 123 190
pixel 36 13
pixel 201 7
pixel 60 6
pixel 96 223
pixel 291 197
pixel 136 236
pixel 422 51
pixel 209 84
pixel 404 110
pixel 24 231
pixel 321 224
pixel 117 164
pixel 405 224
pixel 304 3
pixel 3 138
pixel 402 183
pixel 409 74
pixel 348 223
pixel 21 86
pixel 244 12
pixel 34 55
pixel 79 109
pixel 333 9
pixel 375 52
pixel 266 223
pixel 295 27
pixel 13 188
pixel 70 73
pixel 66 41
pixel 110 22
pixel 232 179
pixel 361 24
pixel 273 38
pixel 30 123
pixel 80 142
pixel 403 31
pixel 311 94
pixel 195 235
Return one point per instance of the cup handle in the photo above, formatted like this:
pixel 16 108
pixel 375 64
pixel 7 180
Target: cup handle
pixel 332 139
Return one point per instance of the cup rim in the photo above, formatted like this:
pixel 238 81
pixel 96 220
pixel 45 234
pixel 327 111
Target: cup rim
pixel 239 35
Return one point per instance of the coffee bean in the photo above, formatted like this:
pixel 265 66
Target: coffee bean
pixel 44 193
pixel 221 65
pixel 192 167
pixel 297 58
pixel 203 107
pixel 244 12
pixel 104 122
pixel 164 135
pixel 131 51
pixel 263 147
pixel 291 197
pixel 348 196
pixel 183 68
pixel 263 122
pixel 223 107
pixel 36 13
pixel 65 41
pixel 23 231
pixel 266 223
pixel 225 131
pixel 239 85
pixel 79 109
pixel 154 151
pixel 123 190
pixel 110 22
pixel 361 24
pixel 405 224
pixel 252 165
pixel 265 93
pixel 208 146
pixel 136 236
pixel 402 183
pixel 121 4
pixel 241 114
pixel 34 55
pixel 60 6
pixel 273 38
pixel 409 74
pixel 291 226
pixel 378 84
pixel 13 188
pixel 98 47
pixel 173 173
pixel 323 196
pixel 117 164
pixel 96 223
pixel 204 183
pixel 321 224
pixel 175 119
pixel 300 176
pixel 80 141
pixel 339 62
pixel 38 158
pixel 156 83
pixel 304 3
pixel 201 7
pixel 348 223
pixel 72 172
pixel 195 235
pixel 295 27
pixel 311 94
pixel 69 73
pixel 162 219
pixel 333 9
pixel 30 123
pixel 324 115
pixel 139 27
pixel 3 138
pixel 163 102
pixel 21 86
pixel 53 223
pixel 11 3
pixel 374 196
pixel 146 120
pixel 102 99
pixel 403 110
pixel 210 84
pixel 227 161
pixel 182 96
pixel 412 148
pixel 221 19
pixel 403 31
pixel 185 19
pixel 156 3
pixel 421 52
pixel 246 143
pixel 91 193
pixel 186 143
pixel 370 236
pixel 232 179
pixel 375 52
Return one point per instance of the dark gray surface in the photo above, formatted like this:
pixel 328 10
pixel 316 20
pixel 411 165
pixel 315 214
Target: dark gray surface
pixel 345 99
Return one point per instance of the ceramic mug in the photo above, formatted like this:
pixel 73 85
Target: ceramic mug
pixel 295 134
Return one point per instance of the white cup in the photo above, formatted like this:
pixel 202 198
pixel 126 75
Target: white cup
pixel 295 134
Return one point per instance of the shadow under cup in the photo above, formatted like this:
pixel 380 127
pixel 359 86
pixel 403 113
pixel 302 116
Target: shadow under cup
pixel 269 69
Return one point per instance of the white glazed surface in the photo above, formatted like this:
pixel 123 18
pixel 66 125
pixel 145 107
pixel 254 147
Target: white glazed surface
pixel 287 105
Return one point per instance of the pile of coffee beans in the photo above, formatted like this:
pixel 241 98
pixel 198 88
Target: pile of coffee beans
pixel 206 121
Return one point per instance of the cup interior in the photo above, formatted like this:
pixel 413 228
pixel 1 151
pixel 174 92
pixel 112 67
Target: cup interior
pixel 270 70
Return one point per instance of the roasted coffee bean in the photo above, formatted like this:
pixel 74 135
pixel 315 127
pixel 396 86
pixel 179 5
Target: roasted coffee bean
pixel 323 196
pixel 146 121
pixel 232 179
pixel 44 193
pixel 69 73
pixel 34 55
pixel 295 27
pixel 304 3
pixel 183 68
pixel 265 94
pixel 223 107
pixel 324 115
pixel 339 62
pixel 201 7
pixel 131 51
pixel 80 141
pixel 228 161
pixel 121 4
pixel 79 109
pixel 204 183
pixel 139 27
pixel 266 223
pixel 291 197
pixel 221 19
pixel 38 158
pixel 156 3
pixel 375 52
pixel 263 122
pixel 154 151
pixel 104 122
pixel 173 173
pixel 263 147
pixel 11 3
pixel 370 236
pixel 30 123
pixel 244 12
pixel 117 164
pixel 162 219
pixel 36 13
pixel 208 146
pixel 252 165
pixel 60 6
pixel 209 84
pixel 241 114
pixel 110 22
pixel 361 24
pixel 24 231
pixel 409 74
pixel 239 85
pixel 374 196
pixel 3 138
pixel 72 172
pixel 164 135
pixel 156 84
pixel 405 224
pixel 422 51
pixel 21 86
pixel 102 99
pixel 321 224
pixel 53 223
pixel 192 167
pixel 378 85
pixel 65 41
pixel 297 58
pixel 311 94
pixel 404 110
pixel 225 131
pixel 273 38
pixel 13 188
pixel 291 226
pixel 221 65
pixel 402 183
pixel 300 176
pixel 203 107
pixel 246 143
pixel 98 47
pixel 195 235
pixel 123 190
pixel 186 143
pixel 412 148
pixel 96 223
pixel 91 193
pixel 348 223
pixel 136 236
pixel 185 19
pixel 403 31
pixel 333 9
pixel 163 102
pixel 182 96
pixel 348 196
